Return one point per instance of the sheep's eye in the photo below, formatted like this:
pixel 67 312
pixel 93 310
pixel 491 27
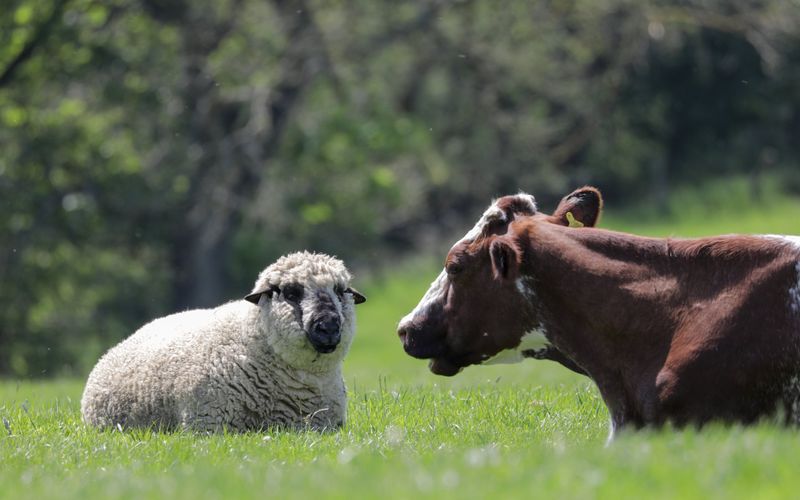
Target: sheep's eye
pixel 293 293
pixel 339 291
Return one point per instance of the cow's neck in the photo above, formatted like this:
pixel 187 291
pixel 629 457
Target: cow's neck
pixel 591 301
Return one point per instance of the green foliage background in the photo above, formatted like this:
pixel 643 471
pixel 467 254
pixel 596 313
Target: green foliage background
pixel 156 154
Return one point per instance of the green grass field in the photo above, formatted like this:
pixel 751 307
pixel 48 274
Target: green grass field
pixel 518 431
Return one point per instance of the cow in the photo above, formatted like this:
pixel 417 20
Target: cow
pixel 679 331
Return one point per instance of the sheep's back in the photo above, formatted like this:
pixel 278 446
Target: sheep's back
pixel 151 377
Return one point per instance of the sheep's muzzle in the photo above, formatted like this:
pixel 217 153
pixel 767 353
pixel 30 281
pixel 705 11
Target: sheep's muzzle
pixel 325 333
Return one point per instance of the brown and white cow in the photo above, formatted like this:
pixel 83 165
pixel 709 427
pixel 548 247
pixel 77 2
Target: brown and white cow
pixel 670 330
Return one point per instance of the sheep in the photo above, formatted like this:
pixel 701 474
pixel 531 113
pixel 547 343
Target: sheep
pixel 273 359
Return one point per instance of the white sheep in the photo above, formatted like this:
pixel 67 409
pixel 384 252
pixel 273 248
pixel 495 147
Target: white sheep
pixel 273 359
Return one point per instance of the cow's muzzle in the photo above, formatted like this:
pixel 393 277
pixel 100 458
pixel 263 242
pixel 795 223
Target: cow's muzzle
pixel 419 342
pixel 444 366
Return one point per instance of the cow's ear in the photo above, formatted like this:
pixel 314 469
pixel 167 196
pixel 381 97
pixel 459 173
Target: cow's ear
pixel 580 208
pixel 255 297
pixel 505 260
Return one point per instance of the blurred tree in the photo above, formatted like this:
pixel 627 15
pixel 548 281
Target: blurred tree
pixel 157 153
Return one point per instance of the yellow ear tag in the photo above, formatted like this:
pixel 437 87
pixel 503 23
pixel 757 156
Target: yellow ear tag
pixel 573 222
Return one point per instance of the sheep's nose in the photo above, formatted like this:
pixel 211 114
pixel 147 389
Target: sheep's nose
pixel 325 334
pixel 328 327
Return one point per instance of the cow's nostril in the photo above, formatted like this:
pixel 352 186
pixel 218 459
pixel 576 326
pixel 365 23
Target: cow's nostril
pixel 402 333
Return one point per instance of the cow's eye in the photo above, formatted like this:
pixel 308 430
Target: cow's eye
pixel 452 268
pixel 293 293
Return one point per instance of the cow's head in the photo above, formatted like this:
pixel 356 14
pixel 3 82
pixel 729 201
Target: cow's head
pixel 481 308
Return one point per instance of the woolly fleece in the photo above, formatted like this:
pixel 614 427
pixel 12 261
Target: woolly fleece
pixel 238 366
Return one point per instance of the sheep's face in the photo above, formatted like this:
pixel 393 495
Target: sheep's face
pixel 310 312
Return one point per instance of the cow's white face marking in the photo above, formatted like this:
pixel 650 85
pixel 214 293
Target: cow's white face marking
pixel 612 429
pixel 434 294
pixel 533 340
pixel 494 213
pixel 791 393
pixel 795 240
pixel 525 288
pixel 794 291
pixel 437 289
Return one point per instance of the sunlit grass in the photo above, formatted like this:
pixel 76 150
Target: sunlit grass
pixel 533 430
pixel 425 441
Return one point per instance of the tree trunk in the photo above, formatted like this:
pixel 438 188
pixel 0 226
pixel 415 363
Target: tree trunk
pixel 227 176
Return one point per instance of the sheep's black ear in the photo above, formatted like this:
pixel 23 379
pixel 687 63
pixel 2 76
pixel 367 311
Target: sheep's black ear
pixel 256 296
pixel 358 297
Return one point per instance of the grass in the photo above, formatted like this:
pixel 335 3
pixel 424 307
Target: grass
pixel 421 441
pixel 527 430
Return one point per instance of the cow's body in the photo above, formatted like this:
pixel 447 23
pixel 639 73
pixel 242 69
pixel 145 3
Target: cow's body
pixel 671 330
pixel 684 331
